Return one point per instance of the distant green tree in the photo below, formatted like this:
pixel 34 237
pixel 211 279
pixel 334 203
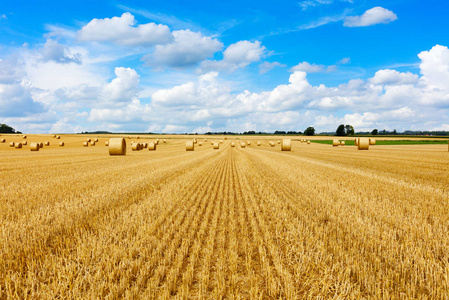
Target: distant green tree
pixel 374 132
pixel 349 130
pixel 340 130
pixel 309 131
pixel 6 129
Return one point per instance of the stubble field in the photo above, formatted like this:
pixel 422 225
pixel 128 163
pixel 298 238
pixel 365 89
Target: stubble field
pixel 233 223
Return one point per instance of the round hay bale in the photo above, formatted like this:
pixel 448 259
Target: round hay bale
pixel 363 144
pixel 242 144
pixel 145 145
pixel 18 145
pixel 11 144
pixel 225 138
pixel 286 145
pixel 156 142
pixel 47 143
pixel 135 147
pixel 54 135
pixel 2 141
pixel 34 146
pixel 88 140
pixel 92 143
pixel 335 143
pixel 272 144
pixel 221 141
pixel 117 146
pixel 356 142
pixel 205 140
pixel 279 142
pixel 342 143
pixel 58 137
pixel 85 144
pixel 61 144
pixel 232 144
pixel 190 146
pixel 96 140
pixel 212 143
pixel 106 143
pixel 372 141
pixel 151 146
pixel 138 137
pixel 308 142
pixel 24 143
pixel 259 143
pixel 24 136
pixel 216 145
pixel 249 143
pixel 41 145
pixel 195 141
pixel 165 141
pixel 200 143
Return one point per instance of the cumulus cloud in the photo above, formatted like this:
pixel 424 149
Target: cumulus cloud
pixel 311 3
pixel 54 51
pixel 16 101
pixel 393 77
pixel 238 55
pixel 435 67
pixel 187 49
pixel 373 16
pixel 122 31
pixel 312 68
pixel 123 88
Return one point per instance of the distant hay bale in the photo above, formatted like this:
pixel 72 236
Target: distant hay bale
pixel 129 137
pixel 232 144
pixel 11 144
pixel 135 147
pixel 308 142
pixel 18 145
pixel 47 143
pixel 195 141
pixel 41 145
pixel 106 143
pixel 212 143
pixel 54 135
pixel 2 141
pixel 85 144
pixel 151 146
pixel 271 143
pixel 165 141
pixel 190 146
pixel 363 144
pixel 286 145
pixel 335 143
pixel 24 136
pixel 225 138
pixel 96 140
pixel 205 140
pixel 34 146
pixel 138 137
pixel 200 143
pixel 92 143
pixel 88 140
pixel 216 145
pixel 156 142
pixel 279 141
pixel 342 143
pixel 58 137
pixel 61 144
pixel 249 143
pixel 145 145
pixel 117 146
pixel 24 143
pixel 259 143
pixel 221 141
pixel 356 142
pixel 372 141
pixel 243 144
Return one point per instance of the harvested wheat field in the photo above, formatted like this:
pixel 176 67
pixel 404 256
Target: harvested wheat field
pixel 235 223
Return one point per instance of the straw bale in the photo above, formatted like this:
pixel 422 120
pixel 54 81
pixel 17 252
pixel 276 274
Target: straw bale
pixel 165 141
pixel 308 142
pixel 190 146
pixel 61 144
pixel 200 143
pixel 24 143
pixel 279 141
pixel 363 144
pixel 88 140
pixel 372 141
pixel 106 143
pixel 92 143
pixel 54 135
pixel 151 146
pixel 232 144
pixel 259 143
pixel 286 145
pixel 135 147
pixel 24 136
pixel 117 146
pixel 2 141
pixel 335 143
pixel 11 144
pixel 58 137
pixel 243 144
pixel 41 145
pixel 249 143
pixel 47 143
pixel 85 144
pixel 34 146
pixel 356 142
pixel 342 143
pixel 18 145
pixel 145 145
pixel 95 140
pixel 216 145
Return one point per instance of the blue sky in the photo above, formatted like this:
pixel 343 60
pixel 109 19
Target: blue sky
pixel 196 66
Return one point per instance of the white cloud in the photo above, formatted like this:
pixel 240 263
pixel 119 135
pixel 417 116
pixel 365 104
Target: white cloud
pixel 344 61
pixel 54 51
pixel 123 88
pixel 435 67
pixel 187 49
pixel 122 31
pixel 307 67
pixel 311 3
pixel 267 66
pixel 16 101
pixel 373 16
pixel 238 55
pixel 393 77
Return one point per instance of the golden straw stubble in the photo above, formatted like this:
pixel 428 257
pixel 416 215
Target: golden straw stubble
pixel 286 145
pixel 117 146
pixel 190 146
